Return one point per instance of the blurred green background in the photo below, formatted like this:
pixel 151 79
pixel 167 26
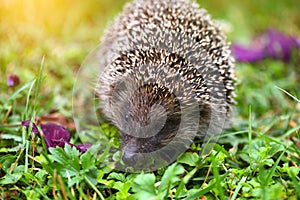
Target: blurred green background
pixel 65 31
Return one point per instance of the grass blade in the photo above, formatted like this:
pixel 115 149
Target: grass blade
pixel 287 93
pixel 21 89
pixel 250 133
pixel 39 82
pixel 238 188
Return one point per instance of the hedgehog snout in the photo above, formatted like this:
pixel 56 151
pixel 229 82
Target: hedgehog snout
pixel 134 147
pixel 129 153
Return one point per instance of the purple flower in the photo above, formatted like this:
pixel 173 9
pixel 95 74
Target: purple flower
pixel 272 44
pixel 83 147
pixel 34 128
pixel 280 46
pixel 246 54
pixel 55 135
pixel 13 80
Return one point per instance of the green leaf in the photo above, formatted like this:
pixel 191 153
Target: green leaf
pixel 11 178
pixel 169 178
pixel 184 181
pixel 68 158
pixel 197 193
pixel 219 189
pixel 11 136
pixel 123 189
pixel 88 166
pixel 189 158
pixel 6 162
pixel 143 187
pixel 87 161
pixel 92 175
pixel 293 171
pixel 10 150
pixel 275 148
pixel 117 176
pixel 40 175
pixel 239 186
pixel 295 181
pixel 32 195
pixel 75 180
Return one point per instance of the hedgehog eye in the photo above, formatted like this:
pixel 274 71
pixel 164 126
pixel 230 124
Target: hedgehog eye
pixel 127 117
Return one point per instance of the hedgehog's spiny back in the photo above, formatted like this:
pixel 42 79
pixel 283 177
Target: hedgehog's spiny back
pixel 164 51
pixel 145 25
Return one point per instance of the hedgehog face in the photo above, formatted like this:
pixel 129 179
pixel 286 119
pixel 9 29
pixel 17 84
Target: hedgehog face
pixel 148 123
pixel 148 137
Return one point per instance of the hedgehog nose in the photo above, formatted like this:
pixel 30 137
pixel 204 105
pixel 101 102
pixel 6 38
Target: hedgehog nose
pixel 129 158
pixel 129 154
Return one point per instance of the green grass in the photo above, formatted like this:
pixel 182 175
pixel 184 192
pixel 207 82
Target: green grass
pixel 45 43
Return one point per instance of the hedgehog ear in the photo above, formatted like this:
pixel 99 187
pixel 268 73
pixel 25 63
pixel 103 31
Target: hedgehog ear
pixel 125 88
pixel 120 95
pixel 120 86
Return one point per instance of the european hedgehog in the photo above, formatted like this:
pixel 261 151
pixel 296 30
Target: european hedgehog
pixel 168 78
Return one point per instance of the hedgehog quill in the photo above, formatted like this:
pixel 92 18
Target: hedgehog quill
pixel 168 79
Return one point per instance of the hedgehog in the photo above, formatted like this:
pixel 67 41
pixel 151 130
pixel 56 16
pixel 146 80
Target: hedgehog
pixel 168 78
